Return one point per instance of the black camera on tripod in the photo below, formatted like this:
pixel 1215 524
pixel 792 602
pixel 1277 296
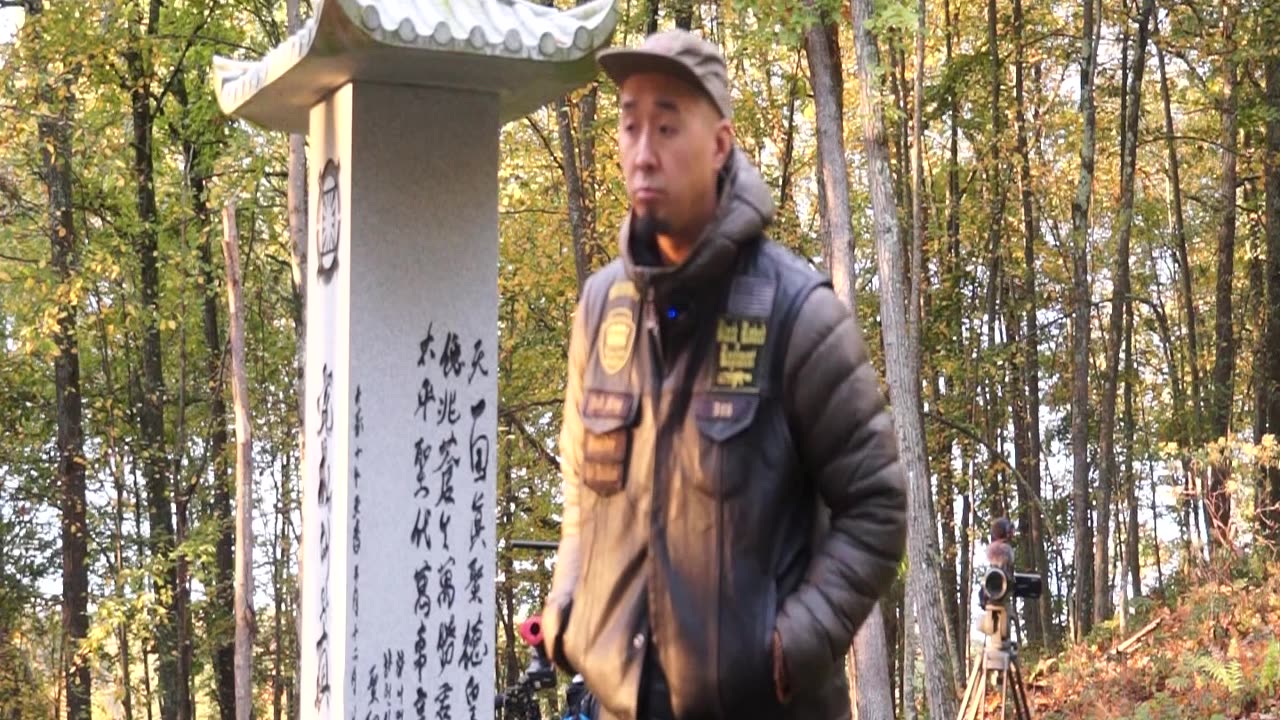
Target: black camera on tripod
pixel 520 702
pixel 997 585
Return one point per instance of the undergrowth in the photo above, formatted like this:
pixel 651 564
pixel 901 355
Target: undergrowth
pixel 1215 654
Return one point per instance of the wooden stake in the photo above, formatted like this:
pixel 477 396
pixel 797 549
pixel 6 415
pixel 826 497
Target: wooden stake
pixel 1127 645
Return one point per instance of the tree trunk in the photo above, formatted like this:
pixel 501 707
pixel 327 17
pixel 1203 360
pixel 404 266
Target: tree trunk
pixel 573 188
pixel 1082 529
pixel 1039 620
pixel 650 17
pixel 954 274
pixel 297 207
pixel 682 10
pixel 966 569
pixel 1192 423
pixel 909 651
pixel 1120 301
pixel 278 561
pixel 837 215
pixel 1132 549
pixel 871 663
pixel 870 656
pixel 902 360
pixel 953 148
pixel 244 470
pixel 789 144
pixel 197 174
pixel 1271 496
pixel 56 153
pixel 1224 344
pixel 954 587
pixel 1192 427
pixel 174 694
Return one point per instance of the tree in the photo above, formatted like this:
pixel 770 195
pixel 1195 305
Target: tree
pixel 1119 309
pixel 1218 501
pixel 902 363
pixel 244 471
pixel 1271 165
pixel 55 134
pixel 1081 303
pixel 874 697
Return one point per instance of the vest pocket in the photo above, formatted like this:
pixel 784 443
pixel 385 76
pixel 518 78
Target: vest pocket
pixel 607 418
pixel 722 418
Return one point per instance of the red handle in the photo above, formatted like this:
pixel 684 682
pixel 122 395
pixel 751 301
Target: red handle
pixel 531 631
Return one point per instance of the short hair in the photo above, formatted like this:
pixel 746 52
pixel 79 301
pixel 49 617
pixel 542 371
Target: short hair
pixel 1001 529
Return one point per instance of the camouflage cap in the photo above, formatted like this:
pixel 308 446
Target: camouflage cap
pixel 679 53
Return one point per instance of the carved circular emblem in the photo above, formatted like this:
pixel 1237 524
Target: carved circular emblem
pixel 616 339
pixel 329 227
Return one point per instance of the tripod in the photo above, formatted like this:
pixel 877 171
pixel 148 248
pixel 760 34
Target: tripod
pixel 998 672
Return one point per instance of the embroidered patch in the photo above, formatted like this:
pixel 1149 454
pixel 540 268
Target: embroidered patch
pixel 609 447
pixel 739 344
pixel 602 404
pixel 726 406
pixel 751 297
pixel 617 337
pixel 624 289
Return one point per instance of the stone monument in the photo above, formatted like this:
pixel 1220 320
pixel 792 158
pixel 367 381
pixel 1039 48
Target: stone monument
pixel 402 102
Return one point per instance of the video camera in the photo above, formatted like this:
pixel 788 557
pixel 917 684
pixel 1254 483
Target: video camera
pixel 518 701
pixel 997 585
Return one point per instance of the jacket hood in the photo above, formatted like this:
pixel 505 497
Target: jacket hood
pixel 744 209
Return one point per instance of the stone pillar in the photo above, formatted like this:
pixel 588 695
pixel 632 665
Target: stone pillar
pixel 403 101
pixel 401 386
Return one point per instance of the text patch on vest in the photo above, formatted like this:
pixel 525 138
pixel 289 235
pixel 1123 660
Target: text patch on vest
pixel 739 344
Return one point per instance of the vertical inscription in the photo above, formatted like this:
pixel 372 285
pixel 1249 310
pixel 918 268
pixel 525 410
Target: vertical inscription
pixel 451 460
pixel 324 503
pixel 354 661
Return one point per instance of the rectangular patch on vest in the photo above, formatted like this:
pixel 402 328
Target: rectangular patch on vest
pixel 603 404
pixel 727 406
pixel 751 297
pixel 609 447
pixel 739 344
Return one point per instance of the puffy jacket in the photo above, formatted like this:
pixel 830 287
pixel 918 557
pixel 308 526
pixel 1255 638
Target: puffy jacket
pixel 730 472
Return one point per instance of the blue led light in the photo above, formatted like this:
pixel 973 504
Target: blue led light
pixel 672 313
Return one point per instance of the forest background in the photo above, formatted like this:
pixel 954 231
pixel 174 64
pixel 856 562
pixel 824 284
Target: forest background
pixel 1059 225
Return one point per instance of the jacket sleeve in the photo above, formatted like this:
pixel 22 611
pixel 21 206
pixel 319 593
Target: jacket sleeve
pixel 845 439
pixel 555 614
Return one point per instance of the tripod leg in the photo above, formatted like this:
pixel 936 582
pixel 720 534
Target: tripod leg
pixel 969 689
pixel 1020 694
pixel 1004 694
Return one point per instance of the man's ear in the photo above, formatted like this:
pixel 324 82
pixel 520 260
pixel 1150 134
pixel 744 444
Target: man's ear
pixel 724 143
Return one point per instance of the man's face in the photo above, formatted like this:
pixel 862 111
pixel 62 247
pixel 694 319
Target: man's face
pixel 673 143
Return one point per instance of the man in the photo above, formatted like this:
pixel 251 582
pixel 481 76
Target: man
pixel 733 502
pixel 1000 551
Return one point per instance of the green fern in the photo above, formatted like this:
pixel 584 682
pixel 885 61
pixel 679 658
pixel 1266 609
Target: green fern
pixel 1227 674
pixel 1269 675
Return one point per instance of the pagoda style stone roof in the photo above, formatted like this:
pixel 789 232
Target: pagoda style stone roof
pixel 526 53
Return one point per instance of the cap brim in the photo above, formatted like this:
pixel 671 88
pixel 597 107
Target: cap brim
pixel 621 63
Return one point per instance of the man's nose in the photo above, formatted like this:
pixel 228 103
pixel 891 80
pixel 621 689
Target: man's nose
pixel 645 157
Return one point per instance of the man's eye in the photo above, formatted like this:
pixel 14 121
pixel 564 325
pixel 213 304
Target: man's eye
pixel 666 130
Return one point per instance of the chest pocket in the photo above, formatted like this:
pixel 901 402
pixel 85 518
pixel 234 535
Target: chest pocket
pixel 608 421
pixel 724 457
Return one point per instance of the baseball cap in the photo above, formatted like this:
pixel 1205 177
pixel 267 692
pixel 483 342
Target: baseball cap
pixel 678 53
